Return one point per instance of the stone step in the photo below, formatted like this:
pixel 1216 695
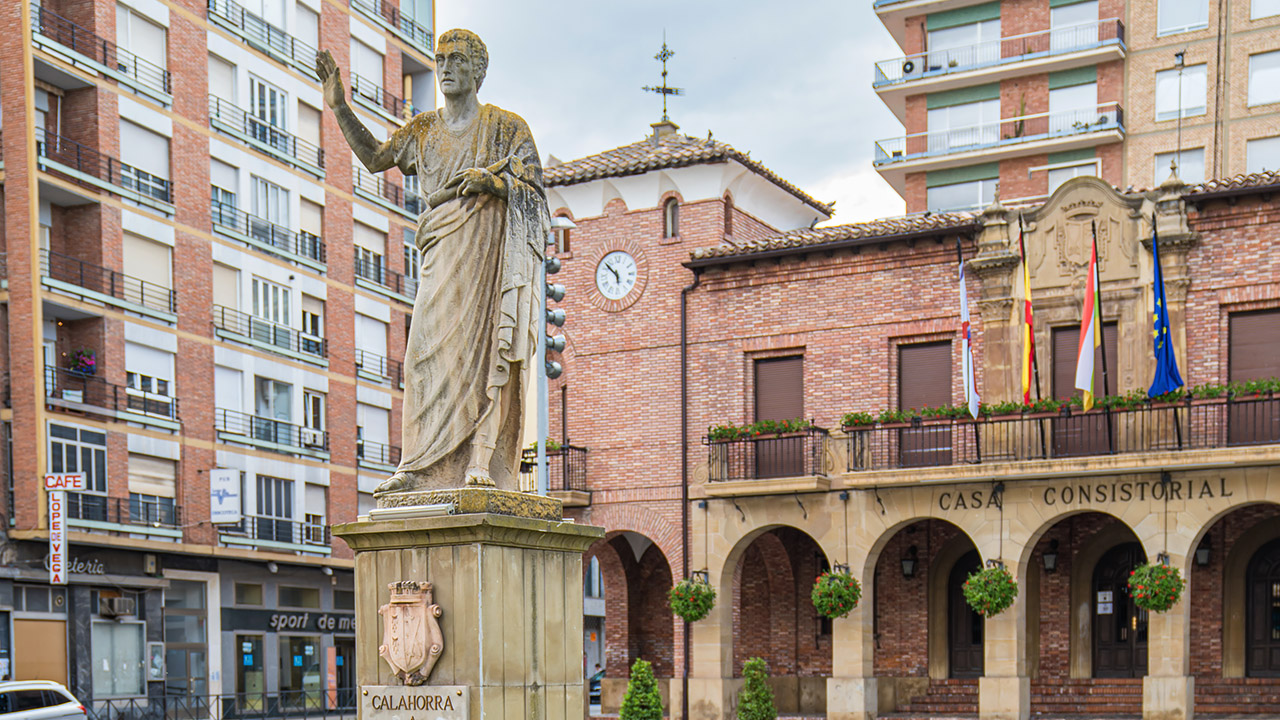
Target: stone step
pixel 1249 708
pixel 938 709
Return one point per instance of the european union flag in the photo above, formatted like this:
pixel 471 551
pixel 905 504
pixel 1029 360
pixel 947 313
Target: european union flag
pixel 1167 378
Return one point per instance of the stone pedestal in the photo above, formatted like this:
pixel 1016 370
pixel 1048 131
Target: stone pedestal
pixel 509 586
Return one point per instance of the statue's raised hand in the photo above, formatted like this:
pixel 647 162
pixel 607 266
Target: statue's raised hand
pixel 331 78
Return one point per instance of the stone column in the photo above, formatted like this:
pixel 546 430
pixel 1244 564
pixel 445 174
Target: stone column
pixel 996 266
pixel 506 572
pixel 1004 690
pixel 1168 690
pixel 853 694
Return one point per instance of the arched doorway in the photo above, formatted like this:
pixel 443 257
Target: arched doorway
pixel 1120 626
pixel 964 626
pixel 1262 619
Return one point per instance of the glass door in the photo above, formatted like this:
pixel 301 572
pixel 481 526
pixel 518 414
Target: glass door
pixel 251 685
pixel 267 118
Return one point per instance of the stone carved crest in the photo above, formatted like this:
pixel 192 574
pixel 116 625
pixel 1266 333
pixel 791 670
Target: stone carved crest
pixel 411 637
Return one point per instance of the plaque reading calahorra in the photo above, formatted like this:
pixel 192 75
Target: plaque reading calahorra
pixel 426 702
pixel 411 637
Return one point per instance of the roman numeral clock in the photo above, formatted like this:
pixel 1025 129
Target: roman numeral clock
pixel 621 273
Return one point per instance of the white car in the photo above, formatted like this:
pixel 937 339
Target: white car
pixel 38 700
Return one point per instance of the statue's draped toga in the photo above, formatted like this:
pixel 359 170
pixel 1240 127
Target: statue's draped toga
pixel 472 335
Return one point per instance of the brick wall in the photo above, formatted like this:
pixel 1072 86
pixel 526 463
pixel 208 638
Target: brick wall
pixel 773 617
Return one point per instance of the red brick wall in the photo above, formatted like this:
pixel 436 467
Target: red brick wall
pixel 773 617
pixel 638 620
pixel 901 604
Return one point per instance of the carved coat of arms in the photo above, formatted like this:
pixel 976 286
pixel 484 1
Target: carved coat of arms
pixel 411 637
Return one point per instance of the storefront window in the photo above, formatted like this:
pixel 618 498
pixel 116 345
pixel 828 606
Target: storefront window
pixel 344 600
pixel 117 658
pixel 185 638
pixel 248 594
pixel 300 671
pixel 250 679
pixel 299 597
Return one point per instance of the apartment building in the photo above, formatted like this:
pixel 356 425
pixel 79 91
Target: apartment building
pixel 203 303
pixel 1025 94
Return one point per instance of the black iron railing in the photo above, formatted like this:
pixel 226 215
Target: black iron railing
pixel 270 430
pixel 392 370
pixel 158 512
pixel 566 468
pixel 276 138
pixel 300 243
pixel 337 704
pixel 95 392
pixel 1188 425
pixel 261 34
pixel 274 529
pixel 373 91
pixel 84 42
pixel 379 186
pixel 264 331
pixel 379 453
pixel 67 269
pixel 388 11
pixel 796 454
pixel 377 272
pixel 86 160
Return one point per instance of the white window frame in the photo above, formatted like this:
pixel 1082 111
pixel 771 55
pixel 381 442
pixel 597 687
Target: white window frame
pixel 1075 167
pixel 1193 78
pixel 1162 30
pixel 947 133
pixel 1257 148
pixel 1160 166
pixel 1264 78
pixel 984 194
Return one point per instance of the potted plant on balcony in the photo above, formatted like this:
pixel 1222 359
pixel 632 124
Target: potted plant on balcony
pixel 692 598
pixel 990 590
pixel 83 362
pixel 1155 587
pixel 730 431
pixel 835 593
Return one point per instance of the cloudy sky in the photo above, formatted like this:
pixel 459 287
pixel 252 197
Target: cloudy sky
pixel 788 82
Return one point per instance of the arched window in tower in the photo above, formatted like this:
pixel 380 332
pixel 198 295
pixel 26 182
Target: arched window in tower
pixel 670 218
pixel 728 214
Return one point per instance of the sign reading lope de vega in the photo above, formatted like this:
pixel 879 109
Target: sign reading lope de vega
pixel 58 484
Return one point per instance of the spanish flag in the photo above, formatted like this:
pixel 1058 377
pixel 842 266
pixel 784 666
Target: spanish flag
pixel 1090 329
pixel 1028 327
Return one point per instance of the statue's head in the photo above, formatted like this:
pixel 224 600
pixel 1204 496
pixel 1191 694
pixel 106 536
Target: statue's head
pixel 467 44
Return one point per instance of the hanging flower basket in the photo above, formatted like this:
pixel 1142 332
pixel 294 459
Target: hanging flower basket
pixel 990 590
pixel 835 594
pixel 1155 587
pixel 691 599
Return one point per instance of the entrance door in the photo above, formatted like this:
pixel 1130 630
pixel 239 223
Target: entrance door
pixel 346 666
pixel 1262 623
pixel 964 626
pixel 1119 626
pixel 251 684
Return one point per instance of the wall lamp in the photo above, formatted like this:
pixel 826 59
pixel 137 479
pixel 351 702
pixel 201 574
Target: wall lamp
pixel 1203 552
pixel 1051 556
pixel 909 562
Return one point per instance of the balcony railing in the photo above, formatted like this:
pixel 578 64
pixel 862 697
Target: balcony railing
pixel 80 40
pixel 377 453
pixel 255 429
pixel 79 391
pixel 1191 425
pixel 280 530
pixel 379 274
pixel 108 283
pixel 265 332
pixel 266 234
pixel 386 368
pixel 84 164
pixel 264 36
pixel 798 454
pixel 373 92
pixel 1045 43
pixel 315 704
pixel 1010 131
pixel 566 468
pixel 122 511
pixel 265 137
pixel 382 189
pixel 388 13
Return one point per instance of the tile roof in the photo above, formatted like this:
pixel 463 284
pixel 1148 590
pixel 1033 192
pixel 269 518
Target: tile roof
pixel 1242 182
pixel 669 151
pixel 921 223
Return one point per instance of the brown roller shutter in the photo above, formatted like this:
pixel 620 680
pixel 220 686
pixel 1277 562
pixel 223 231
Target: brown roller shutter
pixel 780 388
pixel 1255 346
pixel 924 375
pixel 1066 342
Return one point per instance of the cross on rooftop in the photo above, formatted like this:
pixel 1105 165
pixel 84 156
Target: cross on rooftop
pixel 664 55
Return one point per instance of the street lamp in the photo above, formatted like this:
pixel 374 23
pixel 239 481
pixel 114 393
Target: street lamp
pixel 546 342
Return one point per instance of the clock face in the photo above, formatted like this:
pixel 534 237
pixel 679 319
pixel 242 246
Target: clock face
pixel 616 274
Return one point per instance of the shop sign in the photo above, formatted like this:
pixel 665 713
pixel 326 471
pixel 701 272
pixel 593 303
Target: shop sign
pixel 420 702
pixel 224 496
pixel 64 481
pixel 296 622
pixel 57 537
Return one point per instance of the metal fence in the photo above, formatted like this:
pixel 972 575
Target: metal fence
pixel 277 529
pixel 791 455
pixel 265 331
pixel 261 34
pixel 80 40
pixel 392 370
pixel 266 232
pixel 374 92
pixel 566 468
pixel 377 272
pixel 135 510
pixel 263 429
pixel 86 160
pixel 114 284
pixel 338 704
pixel 379 186
pixel 376 452
pixel 272 136
pixel 90 390
pixel 418 35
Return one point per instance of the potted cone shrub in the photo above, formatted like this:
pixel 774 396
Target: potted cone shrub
pixel 642 700
pixel 755 701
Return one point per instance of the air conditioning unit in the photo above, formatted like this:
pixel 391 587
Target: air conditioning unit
pixel 117 606
pixel 312 438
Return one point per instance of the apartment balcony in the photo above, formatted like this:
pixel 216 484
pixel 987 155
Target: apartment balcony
pixel 231 324
pixel 783 463
pixel 261 35
pixel 264 137
pixel 370 94
pixel 89 282
pixel 379 190
pixel 154 517
pixel 266 433
pixel 379 369
pixel 566 474
pixel 273 533
pixel 80 47
pixel 1039 52
pixel 78 393
pixel 378 278
pixel 894 13
pixel 300 247
pixel 88 167
pixel 377 455
pixel 387 15
pixel 998 140
pixel 1186 428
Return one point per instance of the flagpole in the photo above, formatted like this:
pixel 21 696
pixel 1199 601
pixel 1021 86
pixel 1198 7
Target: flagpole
pixel 1102 329
pixel 1035 357
pixel 966 353
pixel 1159 291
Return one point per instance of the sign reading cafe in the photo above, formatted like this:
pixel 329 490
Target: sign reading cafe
pixel 1096 492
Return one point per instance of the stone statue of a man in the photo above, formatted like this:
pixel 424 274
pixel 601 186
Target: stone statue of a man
pixel 472 335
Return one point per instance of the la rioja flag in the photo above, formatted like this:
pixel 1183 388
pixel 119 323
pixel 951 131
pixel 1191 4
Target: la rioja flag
pixel 1090 330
